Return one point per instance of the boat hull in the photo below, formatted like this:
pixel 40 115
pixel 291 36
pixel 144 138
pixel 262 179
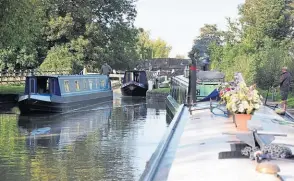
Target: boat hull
pixel 134 90
pixel 62 104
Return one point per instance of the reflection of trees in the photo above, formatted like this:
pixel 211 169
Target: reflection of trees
pixel 73 162
pixel 104 149
pixel 11 144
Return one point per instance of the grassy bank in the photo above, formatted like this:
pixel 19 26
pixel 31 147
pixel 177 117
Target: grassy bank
pixel 278 97
pixel 161 90
pixel 11 89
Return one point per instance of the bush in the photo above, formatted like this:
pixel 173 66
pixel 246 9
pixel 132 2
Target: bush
pixel 60 58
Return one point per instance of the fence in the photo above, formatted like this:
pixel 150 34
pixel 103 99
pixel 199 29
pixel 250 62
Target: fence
pixel 19 76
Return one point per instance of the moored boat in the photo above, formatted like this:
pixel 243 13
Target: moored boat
pixel 207 84
pixel 134 83
pixel 58 94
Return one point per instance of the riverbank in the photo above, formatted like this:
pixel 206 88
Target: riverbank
pixel 11 89
pixel 277 98
pixel 158 94
pixel 10 93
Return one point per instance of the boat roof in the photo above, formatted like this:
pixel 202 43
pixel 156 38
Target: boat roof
pixel 210 75
pixel 203 138
pixel 135 71
pixel 68 76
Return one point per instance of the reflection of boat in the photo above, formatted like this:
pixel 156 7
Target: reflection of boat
pixel 134 83
pixel 132 100
pixel 64 93
pixel 61 130
pixel 131 104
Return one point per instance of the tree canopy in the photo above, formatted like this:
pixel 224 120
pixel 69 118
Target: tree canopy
pixel 149 48
pixel 256 44
pixel 51 33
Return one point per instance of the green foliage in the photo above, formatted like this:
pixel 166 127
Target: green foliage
pixel 59 29
pixel 20 22
pixel 77 33
pixel 149 49
pixel 290 102
pixel 160 49
pixel 209 34
pixel 265 18
pixel 60 58
pixel 257 44
pixel 272 57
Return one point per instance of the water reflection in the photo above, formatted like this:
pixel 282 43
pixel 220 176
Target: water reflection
pixel 110 142
pixel 62 130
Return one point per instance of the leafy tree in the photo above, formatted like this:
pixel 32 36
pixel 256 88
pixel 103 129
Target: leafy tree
pixel 20 22
pixel 257 44
pixel 60 58
pixel 85 32
pixel 144 45
pixel 160 49
pixel 265 18
pixel 208 34
pixel 148 49
pixel 106 26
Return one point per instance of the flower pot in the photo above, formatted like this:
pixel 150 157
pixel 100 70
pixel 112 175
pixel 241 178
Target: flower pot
pixel 241 121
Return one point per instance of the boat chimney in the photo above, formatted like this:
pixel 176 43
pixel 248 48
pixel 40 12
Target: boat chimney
pixel 85 71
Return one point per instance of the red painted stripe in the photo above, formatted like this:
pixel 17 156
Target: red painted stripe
pixel 193 68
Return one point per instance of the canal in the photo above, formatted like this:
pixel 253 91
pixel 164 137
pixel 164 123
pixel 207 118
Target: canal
pixel 112 141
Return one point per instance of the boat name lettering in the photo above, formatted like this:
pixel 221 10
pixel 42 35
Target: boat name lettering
pixel 198 92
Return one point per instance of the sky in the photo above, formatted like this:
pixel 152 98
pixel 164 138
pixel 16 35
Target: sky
pixel 178 21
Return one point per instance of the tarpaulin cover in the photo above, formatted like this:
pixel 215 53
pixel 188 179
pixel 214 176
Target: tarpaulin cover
pixel 214 96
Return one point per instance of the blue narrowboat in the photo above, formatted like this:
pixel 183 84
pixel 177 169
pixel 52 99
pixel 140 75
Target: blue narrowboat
pixel 134 83
pixel 59 94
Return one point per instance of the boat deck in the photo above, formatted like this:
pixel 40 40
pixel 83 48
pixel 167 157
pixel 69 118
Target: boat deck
pixel 202 140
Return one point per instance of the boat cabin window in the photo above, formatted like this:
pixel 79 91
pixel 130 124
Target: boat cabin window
pixel 66 86
pixel 90 84
pixel 43 85
pixel 102 83
pixel 77 85
pixel 97 83
pixel 32 86
pixel 85 84
pixel 139 76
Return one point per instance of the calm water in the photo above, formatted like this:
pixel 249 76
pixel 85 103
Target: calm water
pixel 109 142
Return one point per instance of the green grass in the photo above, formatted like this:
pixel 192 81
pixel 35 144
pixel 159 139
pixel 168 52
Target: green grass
pixel 11 89
pixel 161 90
pixel 264 93
pixel 290 101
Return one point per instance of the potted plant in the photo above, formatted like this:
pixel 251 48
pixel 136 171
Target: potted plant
pixel 242 102
pixel 224 92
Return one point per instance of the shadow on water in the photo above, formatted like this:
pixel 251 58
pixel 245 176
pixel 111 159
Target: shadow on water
pixel 112 141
